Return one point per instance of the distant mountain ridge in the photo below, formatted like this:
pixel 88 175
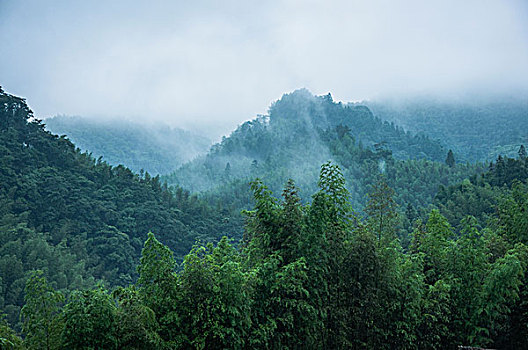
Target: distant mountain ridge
pixel 157 149
pixel 302 131
pixel 476 130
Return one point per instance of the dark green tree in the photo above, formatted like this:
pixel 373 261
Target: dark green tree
pixel 136 325
pixel 215 303
pixel 342 130
pixel 522 152
pixel 330 221
pixel 227 172
pixel 450 160
pixel 157 285
pixel 9 340
pixel 283 314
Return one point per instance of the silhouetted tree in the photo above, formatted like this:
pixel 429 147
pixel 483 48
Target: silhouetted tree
pixel 450 160
pixel 522 152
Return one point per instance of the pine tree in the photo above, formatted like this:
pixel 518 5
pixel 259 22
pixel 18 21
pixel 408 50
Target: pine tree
pixel 450 160
pixel 522 152
pixel 227 172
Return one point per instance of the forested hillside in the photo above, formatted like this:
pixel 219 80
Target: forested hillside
pixel 158 149
pixel 81 220
pixel 379 250
pixel 303 131
pixel 480 195
pixel 477 130
pixel 312 277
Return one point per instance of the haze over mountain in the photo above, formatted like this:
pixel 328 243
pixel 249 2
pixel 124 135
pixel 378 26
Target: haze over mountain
pixel 68 221
pixel 303 131
pixel 316 221
pixel 476 129
pixel 208 67
pixel 156 148
pixel 78 218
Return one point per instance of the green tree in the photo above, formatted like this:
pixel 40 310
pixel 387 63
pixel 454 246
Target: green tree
pixel 359 271
pixel 512 209
pixel 522 152
pixel 381 210
pixel 136 325
pixel 89 321
pixel 157 285
pixel 501 291
pixel 342 130
pixel 432 244
pixel 9 340
pixel 41 322
pixel 283 314
pixel 215 298
pixel 330 221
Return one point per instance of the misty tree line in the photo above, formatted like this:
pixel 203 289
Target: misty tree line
pixel 304 275
pixel 300 133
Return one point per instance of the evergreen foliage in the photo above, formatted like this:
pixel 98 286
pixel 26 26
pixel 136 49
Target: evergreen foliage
pixel 317 276
pixel 306 274
pixel 90 321
pixel 9 340
pixel 450 159
pixel 504 183
pixel 314 276
pixel 80 220
pixel 42 325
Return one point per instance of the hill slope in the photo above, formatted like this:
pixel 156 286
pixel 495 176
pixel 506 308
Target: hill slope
pixel 302 132
pixel 79 219
pixel 157 149
pixel 476 131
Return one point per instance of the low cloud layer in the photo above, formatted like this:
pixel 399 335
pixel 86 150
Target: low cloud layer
pixel 213 64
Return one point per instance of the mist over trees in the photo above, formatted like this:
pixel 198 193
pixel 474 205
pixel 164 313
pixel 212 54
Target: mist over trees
pixel 368 236
pixel 263 175
pixel 155 148
pixel 476 128
pixel 314 276
pixel 301 132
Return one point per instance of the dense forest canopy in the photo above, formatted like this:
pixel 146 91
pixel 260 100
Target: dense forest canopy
pixel 308 276
pixel 392 244
pixel 256 175
pixel 79 219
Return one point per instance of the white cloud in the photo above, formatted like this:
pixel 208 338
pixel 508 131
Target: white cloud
pixel 214 64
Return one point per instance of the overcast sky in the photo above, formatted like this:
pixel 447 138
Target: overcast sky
pixel 217 63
